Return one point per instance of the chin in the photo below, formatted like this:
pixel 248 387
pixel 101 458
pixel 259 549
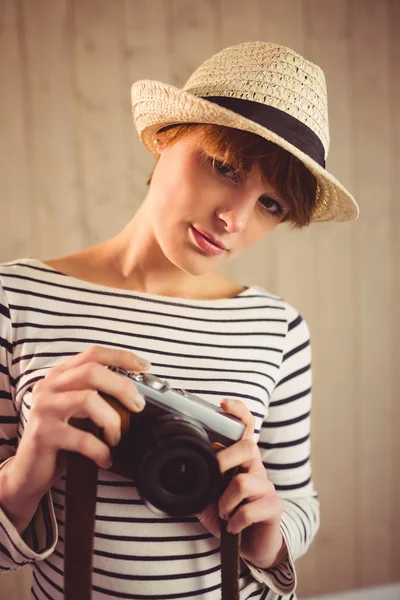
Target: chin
pixel 191 262
pixel 193 268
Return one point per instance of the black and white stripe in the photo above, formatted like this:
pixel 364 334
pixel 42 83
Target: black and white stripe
pixel 254 347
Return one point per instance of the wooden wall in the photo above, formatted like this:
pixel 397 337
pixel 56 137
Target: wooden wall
pixel 72 172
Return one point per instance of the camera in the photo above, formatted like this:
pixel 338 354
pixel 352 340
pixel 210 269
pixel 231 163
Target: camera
pixel 169 449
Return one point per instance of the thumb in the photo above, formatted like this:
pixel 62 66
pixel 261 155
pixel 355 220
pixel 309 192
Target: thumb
pixel 209 518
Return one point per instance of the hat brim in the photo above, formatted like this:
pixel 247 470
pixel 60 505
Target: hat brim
pixel 156 105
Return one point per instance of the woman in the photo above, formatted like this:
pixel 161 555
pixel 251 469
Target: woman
pixel 239 150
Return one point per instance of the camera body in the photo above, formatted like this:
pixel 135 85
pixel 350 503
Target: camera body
pixel 169 449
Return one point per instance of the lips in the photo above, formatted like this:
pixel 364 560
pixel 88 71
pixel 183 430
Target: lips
pixel 211 238
pixel 205 244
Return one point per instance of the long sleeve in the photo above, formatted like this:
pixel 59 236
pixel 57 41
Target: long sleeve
pixel 39 539
pixel 285 448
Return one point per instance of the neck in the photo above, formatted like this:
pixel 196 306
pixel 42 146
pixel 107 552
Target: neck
pixel 134 260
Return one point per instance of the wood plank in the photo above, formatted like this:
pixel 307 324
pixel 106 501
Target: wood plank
pixel 275 26
pixel 373 281
pixel 332 322
pixel 17 218
pixel 55 173
pixel 240 22
pixel 146 55
pixel 100 86
pixel 394 29
pixel 195 26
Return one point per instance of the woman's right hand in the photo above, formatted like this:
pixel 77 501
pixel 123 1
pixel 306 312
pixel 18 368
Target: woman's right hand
pixel 71 390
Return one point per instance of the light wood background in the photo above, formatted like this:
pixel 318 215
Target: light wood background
pixel 72 172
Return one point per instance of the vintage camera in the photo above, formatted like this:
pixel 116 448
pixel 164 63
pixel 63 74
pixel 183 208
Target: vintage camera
pixel 169 449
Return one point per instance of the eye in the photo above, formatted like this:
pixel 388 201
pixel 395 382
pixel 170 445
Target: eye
pixel 272 206
pixel 225 170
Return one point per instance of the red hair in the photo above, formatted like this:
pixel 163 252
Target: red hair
pixel 291 179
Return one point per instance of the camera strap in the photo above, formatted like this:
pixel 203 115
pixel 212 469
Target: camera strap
pixel 80 508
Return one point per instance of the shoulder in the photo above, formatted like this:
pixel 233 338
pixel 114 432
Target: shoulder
pixel 18 268
pixel 20 276
pixel 295 322
pixel 289 310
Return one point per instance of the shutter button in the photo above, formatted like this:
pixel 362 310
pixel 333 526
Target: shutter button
pixel 155 382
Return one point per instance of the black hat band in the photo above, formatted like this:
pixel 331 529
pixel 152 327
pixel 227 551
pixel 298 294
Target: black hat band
pixel 289 128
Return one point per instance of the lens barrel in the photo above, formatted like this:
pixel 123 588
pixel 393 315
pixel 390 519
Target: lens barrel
pixel 178 473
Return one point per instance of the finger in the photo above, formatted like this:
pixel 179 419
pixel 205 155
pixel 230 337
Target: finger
pixel 61 466
pixel 80 404
pixel 72 439
pixel 256 511
pixel 243 487
pixel 244 454
pixel 210 519
pixel 238 409
pixel 92 406
pixel 97 377
pixel 105 356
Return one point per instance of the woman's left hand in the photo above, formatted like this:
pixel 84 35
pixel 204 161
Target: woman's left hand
pixel 250 503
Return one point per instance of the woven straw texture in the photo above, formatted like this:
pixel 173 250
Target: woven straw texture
pixel 262 72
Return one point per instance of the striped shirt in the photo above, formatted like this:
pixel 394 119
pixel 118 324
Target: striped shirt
pixel 254 347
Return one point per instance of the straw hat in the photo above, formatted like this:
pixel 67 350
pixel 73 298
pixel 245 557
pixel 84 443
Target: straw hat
pixel 264 88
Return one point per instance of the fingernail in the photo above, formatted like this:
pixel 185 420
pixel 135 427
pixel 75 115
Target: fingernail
pixel 117 438
pixel 137 399
pixel 140 401
pixel 107 464
pixel 230 402
pixel 145 364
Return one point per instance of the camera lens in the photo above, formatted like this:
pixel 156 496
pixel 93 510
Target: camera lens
pixel 179 475
pixel 178 472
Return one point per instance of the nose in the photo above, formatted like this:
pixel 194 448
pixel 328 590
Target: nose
pixel 235 217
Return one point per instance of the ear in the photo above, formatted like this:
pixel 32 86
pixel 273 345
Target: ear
pixel 159 145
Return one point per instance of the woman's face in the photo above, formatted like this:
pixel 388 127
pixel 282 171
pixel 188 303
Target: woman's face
pixel 190 196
